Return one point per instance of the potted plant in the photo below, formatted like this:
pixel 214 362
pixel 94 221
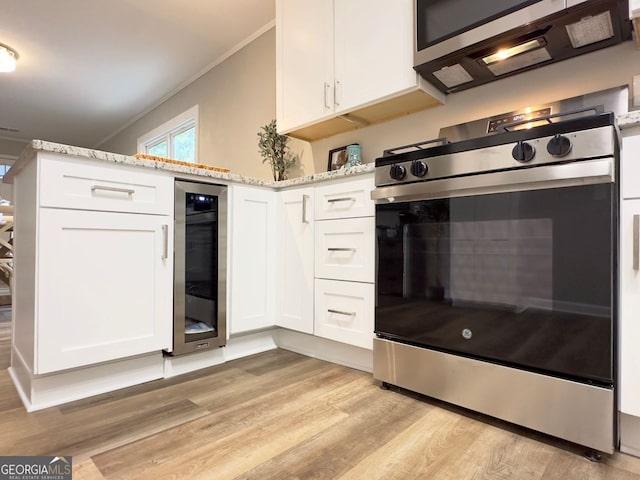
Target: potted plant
pixel 274 149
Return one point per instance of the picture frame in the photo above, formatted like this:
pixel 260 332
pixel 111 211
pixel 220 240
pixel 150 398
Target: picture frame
pixel 337 159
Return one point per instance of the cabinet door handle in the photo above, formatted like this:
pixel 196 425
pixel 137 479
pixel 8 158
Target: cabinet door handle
pixel 128 191
pixel 338 93
pixel 304 208
pixel 636 239
pixel 326 87
pixel 341 249
pixel 343 199
pixel 340 312
pixel 165 242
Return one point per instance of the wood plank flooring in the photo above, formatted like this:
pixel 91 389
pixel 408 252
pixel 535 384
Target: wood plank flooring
pixel 280 415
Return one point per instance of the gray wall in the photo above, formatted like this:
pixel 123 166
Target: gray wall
pixel 235 99
pixel 11 148
pixel 238 96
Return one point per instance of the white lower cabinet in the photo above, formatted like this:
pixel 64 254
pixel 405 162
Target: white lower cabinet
pixel 344 312
pixel 253 221
pixel 345 262
pixel 345 249
pixel 630 308
pixel 295 267
pixel 629 296
pixel 104 287
pixel 93 265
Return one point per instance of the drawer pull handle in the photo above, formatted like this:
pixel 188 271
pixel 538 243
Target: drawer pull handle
pixel 341 249
pixel 343 199
pixel 128 191
pixel 340 312
pixel 636 239
pixel 165 242
pixel 326 88
pixel 304 208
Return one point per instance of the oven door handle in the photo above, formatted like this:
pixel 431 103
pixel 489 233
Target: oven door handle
pixel 553 176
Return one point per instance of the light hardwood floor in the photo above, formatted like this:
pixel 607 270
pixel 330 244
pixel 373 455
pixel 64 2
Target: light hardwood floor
pixel 280 415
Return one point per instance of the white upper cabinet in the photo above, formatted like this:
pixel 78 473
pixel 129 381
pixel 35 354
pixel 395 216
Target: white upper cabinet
pixel 305 32
pixel 373 44
pixel 345 63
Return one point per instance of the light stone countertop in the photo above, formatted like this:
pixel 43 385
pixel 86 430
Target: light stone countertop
pixel 630 119
pixel 43 146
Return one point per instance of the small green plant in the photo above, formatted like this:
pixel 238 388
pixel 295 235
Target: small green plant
pixel 274 149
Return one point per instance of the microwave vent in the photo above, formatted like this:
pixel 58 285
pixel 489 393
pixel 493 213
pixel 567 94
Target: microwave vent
pixel 453 75
pixel 518 62
pixel 590 30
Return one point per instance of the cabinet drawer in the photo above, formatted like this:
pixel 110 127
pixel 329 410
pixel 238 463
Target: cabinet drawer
pixel 345 249
pixel 345 200
pixel 113 188
pixel 344 312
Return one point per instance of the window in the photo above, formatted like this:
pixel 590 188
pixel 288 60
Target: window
pixel 6 161
pixel 177 138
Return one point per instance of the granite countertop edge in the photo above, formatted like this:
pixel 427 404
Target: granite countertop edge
pixel 43 146
pixel 629 120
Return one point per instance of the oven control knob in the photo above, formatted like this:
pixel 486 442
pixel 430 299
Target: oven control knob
pixel 559 146
pixel 523 152
pixel 419 168
pixel 397 172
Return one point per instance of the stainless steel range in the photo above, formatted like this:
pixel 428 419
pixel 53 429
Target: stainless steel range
pixel 497 253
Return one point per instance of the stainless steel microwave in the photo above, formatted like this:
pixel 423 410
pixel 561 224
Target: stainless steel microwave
pixel 461 44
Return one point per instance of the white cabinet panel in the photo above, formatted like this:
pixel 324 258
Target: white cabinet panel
pixel 345 200
pixel 371 66
pixel 253 258
pixel 345 249
pixel 304 61
pixel 295 266
pixel 344 312
pixel 338 57
pixel 630 163
pixel 114 188
pixel 104 287
pixel 629 309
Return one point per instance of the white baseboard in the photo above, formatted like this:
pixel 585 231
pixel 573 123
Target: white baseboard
pixel 182 364
pixel 630 434
pixel 44 391
pixel 240 346
pixel 237 347
pixel 323 349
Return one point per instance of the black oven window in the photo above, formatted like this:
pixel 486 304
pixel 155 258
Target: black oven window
pixel 438 20
pixel 527 276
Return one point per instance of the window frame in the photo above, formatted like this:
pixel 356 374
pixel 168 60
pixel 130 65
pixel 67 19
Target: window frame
pixel 6 161
pixel 168 130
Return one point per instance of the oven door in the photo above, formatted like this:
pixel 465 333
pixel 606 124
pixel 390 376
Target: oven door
pixel 512 267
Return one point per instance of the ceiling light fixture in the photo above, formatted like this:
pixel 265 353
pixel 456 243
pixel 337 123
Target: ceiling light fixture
pixel 8 57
